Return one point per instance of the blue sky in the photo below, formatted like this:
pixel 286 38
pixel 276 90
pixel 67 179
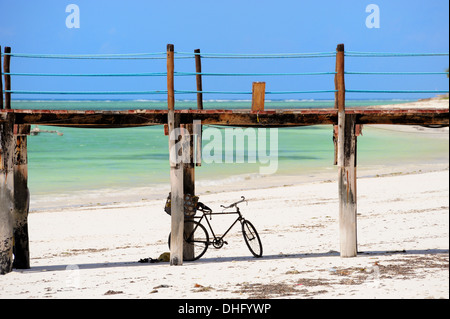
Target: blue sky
pixel 282 26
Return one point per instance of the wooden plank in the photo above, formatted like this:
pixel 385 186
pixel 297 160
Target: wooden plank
pixel 198 78
pixel 258 96
pixel 6 194
pixel 347 188
pixel 7 69
pixel 21 198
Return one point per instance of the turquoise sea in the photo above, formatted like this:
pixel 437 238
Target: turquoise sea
pixel 127 158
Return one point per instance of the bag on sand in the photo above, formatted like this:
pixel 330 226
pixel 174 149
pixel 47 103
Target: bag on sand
pixel 190 205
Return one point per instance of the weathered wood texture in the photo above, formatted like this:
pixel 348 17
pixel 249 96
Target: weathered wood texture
pixel 266 118
pixel 1 82
pixel 339 95
pixel 198 78
pixel 176 167
pixel 6 194
pixel 189 183
pixel 258 96
pixel 7 69
pixel 21 198
pixel 347 186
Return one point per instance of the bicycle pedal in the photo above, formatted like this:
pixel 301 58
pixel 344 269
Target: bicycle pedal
pixel 226 243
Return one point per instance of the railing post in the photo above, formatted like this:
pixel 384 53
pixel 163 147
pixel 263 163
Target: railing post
pixel 176 168
pixel 7 69
pixel 346 160
pixel 198 78
pixel 198 127
pixel 1 82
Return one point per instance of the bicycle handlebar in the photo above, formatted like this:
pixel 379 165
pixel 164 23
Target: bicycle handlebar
pixel 234 204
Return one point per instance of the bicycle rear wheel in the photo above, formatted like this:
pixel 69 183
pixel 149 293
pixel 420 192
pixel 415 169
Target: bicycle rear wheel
pixel 196 240
pixel 251 238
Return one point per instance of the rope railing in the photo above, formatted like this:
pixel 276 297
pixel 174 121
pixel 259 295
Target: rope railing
pixel 162 55
pixel 250 92
pixel 128 56
pixel 397 91
pixel 258 56
pixel 390 54
pixel 86 92
pixel 252 74
pixel 89 74
pixel 396 73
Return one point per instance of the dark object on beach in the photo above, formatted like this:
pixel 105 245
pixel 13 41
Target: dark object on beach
pixel 113 292
pixel 148 260
pixel 190 205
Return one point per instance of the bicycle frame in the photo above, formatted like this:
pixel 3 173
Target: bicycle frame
pixel 215 238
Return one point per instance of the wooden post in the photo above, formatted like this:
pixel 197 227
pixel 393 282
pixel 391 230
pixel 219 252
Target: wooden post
pixel 339 95
pixel 21 198
pixel 198 77
pixel 7 69
pixel 198 127
pixel 347 191
pixel 346 160
pixel 189 184
pixel 176 168
pixel 1 82
pixel 258 96
pixel 6 194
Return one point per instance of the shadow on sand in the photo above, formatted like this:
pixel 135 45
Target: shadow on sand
pixel 50 268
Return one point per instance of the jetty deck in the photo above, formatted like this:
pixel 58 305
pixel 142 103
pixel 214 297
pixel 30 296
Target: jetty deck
pixel 226 117
pixel 15 126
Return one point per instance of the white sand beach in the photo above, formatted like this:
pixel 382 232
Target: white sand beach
pixel 403 244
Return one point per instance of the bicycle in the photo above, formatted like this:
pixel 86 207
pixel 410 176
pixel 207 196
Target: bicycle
pixel 196 237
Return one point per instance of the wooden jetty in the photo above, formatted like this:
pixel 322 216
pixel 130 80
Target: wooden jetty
pixel 15 126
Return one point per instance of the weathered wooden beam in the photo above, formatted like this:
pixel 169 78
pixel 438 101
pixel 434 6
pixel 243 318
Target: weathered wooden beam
pixel 347 186
pixel 7 69
pixel 6 194
pixel 258 96
pixel 176 167
pixel 266 118
pixel 21 198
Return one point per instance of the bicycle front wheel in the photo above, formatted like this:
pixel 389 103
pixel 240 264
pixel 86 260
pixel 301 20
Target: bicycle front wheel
pixel 251 238
pixel 196 240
